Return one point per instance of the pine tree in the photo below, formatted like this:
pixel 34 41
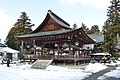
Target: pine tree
pixel 94 30
pixel 113 13
pixel 112 25
pixel 22 26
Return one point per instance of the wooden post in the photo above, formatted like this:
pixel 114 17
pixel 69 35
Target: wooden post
pixel 69 48
pixel 63 62
pixel 34 51
pixel 75 59
pixel 42 51
pixel 34 47
pixel 22 51
pixel 58 47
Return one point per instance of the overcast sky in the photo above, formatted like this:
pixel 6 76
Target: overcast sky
pixel 89 12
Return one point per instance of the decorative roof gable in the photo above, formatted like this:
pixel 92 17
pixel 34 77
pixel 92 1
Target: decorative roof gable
pixel 52 22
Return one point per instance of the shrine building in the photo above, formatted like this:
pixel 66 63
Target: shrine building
pixel 54 36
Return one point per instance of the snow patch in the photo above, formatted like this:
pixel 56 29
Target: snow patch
pixel 95 67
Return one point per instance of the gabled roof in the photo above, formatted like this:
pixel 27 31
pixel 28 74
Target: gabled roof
pixel 63 29
pixel 57 19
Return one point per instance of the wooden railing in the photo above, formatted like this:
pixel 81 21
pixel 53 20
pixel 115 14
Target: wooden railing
pixel 63 58
pixel 53 56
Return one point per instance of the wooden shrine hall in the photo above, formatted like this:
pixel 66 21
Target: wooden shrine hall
pixel 54 37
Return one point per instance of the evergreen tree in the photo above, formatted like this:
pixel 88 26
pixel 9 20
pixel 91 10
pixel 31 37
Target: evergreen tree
pixel 112 25
pixel 113 13
pixel 22 26
pixel 94 30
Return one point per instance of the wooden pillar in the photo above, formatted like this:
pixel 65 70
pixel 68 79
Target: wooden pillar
pixel 42 51
pixel 78 53
pixel 58 47
pixel 63 62
pixel 48 50
pixel 34 50
pixel 74 50
pixel 75 59
pixel 34 47
pixel 69 48
pixel 53 52
pixel 21 49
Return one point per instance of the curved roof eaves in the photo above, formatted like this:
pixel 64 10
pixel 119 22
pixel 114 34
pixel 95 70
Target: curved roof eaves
pixel 40 34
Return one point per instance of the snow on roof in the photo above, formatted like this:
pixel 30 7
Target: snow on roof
pixel 9 50
pixel 101 53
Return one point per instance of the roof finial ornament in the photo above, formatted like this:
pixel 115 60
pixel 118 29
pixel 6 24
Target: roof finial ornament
pixel 49 11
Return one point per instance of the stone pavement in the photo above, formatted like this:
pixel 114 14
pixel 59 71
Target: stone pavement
pixel 94 76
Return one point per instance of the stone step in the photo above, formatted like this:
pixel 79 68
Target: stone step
pixel 41 64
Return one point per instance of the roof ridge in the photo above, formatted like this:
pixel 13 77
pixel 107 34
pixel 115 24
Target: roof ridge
pixel 53 14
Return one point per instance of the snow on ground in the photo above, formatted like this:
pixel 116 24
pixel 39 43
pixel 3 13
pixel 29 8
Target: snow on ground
pixel 50 73
pixel 95 67
pixel 24 72
pixel 113 73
